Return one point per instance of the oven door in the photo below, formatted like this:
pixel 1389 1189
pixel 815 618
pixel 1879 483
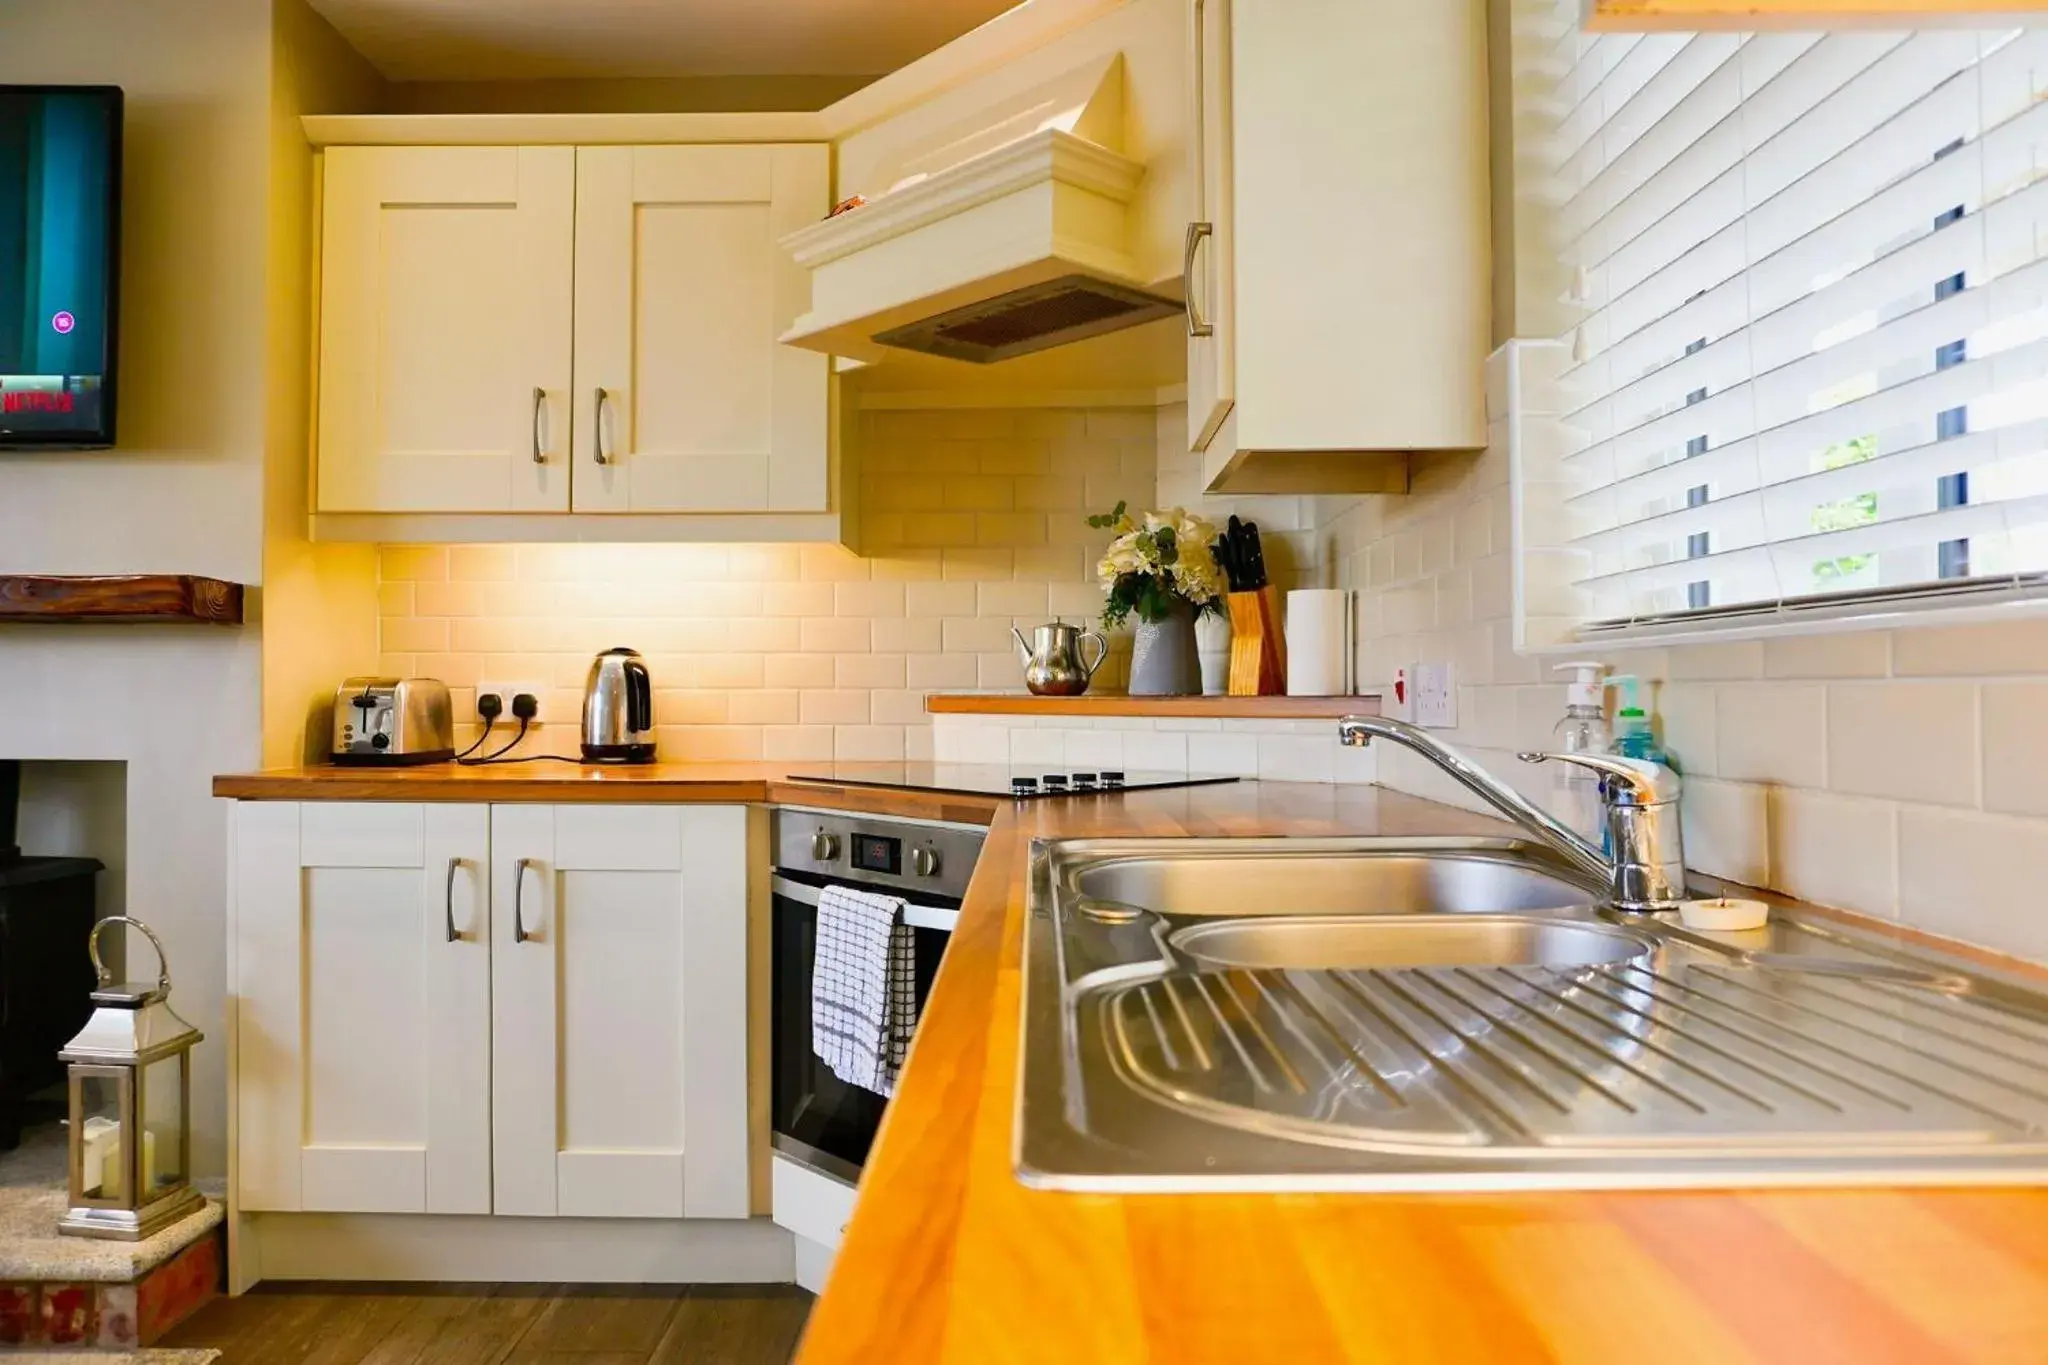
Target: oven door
pixel 820 1120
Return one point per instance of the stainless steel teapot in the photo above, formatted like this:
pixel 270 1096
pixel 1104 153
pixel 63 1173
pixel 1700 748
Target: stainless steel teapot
pixel 1052 661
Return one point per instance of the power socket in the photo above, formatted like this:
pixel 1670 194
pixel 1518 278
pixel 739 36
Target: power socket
pixel 507 690
pixel 1436 696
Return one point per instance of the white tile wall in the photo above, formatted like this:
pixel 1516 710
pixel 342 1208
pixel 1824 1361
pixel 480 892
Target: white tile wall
pixel 1275 750
pixel 1900 773
pixel 971 521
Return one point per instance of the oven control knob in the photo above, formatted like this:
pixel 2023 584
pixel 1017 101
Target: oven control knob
pixel 825 846
pixel 925 861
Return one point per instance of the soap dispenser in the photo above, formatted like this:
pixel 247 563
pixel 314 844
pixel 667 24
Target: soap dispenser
pixel 1633 736
pixel 1575 794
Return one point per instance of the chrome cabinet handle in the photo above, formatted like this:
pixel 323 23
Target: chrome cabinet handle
pixel 448 899
pixel 1198 326
pixel 597 451
pixel 519 869
pixel 540 407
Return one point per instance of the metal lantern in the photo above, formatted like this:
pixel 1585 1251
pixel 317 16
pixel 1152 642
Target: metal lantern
pixel 131 1105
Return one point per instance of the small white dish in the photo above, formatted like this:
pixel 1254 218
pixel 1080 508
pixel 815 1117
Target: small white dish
pixel 1722 915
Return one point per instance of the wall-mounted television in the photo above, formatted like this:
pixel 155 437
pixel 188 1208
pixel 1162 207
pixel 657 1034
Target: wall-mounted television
pixel 60 263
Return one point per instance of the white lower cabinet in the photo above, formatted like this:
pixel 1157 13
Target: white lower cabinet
pixel 469 1009
pixel 618 1011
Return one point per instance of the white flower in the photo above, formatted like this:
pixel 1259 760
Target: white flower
pixel 1193 574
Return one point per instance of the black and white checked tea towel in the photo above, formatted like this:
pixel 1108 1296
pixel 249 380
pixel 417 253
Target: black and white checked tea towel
pixel 863 987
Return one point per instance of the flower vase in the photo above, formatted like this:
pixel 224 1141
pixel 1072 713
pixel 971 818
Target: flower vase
pixel 1164 659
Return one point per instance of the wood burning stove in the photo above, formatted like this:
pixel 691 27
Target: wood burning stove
pixel 46 976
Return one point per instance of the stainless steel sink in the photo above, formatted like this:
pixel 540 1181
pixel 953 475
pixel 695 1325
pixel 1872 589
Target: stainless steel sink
pixel 1456 1014
pixel 1380 942
pixel 1264 876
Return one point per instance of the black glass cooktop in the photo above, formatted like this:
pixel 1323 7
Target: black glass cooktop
pixel 998 779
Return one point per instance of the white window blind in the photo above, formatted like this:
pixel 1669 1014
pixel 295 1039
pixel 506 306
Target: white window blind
pixel 1813 275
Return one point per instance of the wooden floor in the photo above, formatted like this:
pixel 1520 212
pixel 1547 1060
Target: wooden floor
pixel 486 1324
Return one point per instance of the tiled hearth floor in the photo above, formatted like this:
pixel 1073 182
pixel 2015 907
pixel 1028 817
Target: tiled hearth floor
pixel 75 1292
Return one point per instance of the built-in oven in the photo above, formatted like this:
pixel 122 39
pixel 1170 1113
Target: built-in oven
pixel 820 1122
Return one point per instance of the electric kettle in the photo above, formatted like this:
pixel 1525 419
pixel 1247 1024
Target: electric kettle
pixel 618 709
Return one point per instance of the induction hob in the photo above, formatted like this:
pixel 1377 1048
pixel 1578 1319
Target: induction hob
pixel 1022 781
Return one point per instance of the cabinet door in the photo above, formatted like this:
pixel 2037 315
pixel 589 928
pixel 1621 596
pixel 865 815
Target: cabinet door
pixel 685 401
pixel 445 329
pixel 619 1028
pixel 362 988
pixel 1212 360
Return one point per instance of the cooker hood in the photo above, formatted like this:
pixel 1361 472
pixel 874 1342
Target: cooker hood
pixel 1008 236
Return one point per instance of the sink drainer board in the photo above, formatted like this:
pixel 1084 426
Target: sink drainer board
pixel 1692 1059
pixel 1450 1014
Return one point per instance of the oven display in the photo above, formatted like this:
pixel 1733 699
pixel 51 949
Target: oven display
pixel 878 853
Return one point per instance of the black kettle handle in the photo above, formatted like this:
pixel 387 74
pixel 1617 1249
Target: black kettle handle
pixel 639 697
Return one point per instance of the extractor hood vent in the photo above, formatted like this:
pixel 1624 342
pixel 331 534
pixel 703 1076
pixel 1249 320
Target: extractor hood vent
pixel 1011 233
pixel 1071 308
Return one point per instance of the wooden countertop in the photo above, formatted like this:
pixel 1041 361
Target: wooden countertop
pixel 567 783
pixel 948 1258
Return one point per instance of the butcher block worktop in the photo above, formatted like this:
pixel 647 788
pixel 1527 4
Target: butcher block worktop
pixel 566 783
pixel 948 1258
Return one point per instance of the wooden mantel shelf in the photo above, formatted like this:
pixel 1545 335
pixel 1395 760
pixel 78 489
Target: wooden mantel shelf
pixel 1118 704
pixel 120 599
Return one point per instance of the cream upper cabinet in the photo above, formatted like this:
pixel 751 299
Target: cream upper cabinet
pixel 1347 276
pixel 362 985
pixel 445 327
pixel 1206 280
pixel 685 401
pixel 568 330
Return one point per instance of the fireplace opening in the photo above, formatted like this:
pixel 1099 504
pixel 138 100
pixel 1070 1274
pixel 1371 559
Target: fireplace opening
pixel 62 828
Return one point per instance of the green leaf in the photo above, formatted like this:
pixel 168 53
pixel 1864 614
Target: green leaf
pixel 1108 519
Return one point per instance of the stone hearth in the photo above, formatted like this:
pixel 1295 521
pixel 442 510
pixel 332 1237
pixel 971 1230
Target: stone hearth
pixel 58 1291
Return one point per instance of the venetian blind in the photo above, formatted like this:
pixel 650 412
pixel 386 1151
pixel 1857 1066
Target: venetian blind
pixel 1813 361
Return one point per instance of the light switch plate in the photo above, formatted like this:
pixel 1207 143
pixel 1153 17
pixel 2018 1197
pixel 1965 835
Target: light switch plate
pixel 1399 703
pixel 508 690
pixel 1436 697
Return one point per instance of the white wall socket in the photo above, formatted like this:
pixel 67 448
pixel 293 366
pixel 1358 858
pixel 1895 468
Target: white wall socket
pixel 1436 696
pixel 508 690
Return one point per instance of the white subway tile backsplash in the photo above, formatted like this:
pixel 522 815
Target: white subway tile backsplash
pixel 1095 749
pixel 1704 663
pixel 1975 877
pixel 1837 850
pixel 1155 751
pixel 2015 721
pixel 2007 647
pixel 1727 829
pixel 1771 732
pixel 1224 754
pixel 1850 654
pixel 1298 758
pixel 1911 741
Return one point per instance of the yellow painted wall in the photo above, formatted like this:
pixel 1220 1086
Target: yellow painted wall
pixel 317 600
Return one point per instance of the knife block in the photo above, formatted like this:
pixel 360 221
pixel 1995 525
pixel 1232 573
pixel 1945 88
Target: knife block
pixel 1258 649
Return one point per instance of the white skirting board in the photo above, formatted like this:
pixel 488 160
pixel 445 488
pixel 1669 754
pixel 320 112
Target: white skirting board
pixel 372 1246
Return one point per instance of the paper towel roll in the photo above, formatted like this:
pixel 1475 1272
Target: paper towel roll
pixel 1318 642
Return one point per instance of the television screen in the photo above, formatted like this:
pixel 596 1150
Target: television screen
pixel 60 219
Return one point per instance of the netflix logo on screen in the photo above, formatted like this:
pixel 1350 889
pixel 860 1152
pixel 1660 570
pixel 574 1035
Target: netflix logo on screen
pixel 57 402
pixel 36 400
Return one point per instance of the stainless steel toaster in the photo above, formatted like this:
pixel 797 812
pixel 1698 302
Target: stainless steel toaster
pixel 391 722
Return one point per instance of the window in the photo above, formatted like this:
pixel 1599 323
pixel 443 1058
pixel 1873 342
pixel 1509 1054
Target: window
pixel 1828 251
